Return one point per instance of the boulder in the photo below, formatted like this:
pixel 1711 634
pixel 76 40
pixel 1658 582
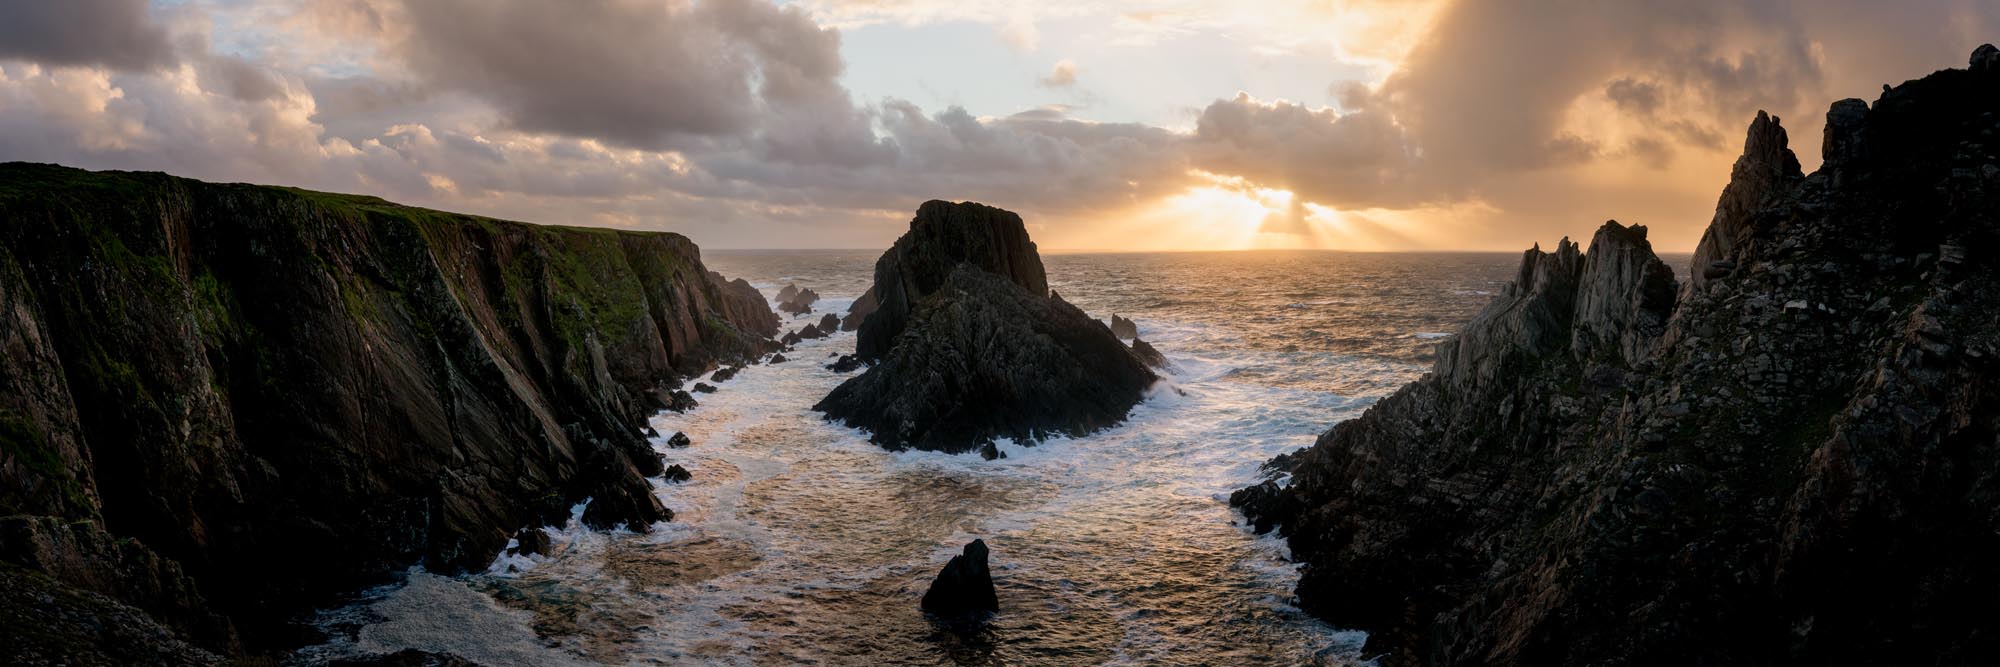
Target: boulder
pixel 776 359
pixel 725 373
pixel 965 585
pixel 679 440
pixel 829 323
pixel 704 388
pixel 676 474
pixel 847 363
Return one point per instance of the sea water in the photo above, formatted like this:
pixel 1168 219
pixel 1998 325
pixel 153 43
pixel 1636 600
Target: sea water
pixel 799 542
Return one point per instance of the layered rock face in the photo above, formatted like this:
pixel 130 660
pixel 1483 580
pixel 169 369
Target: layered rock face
pixel 981 351
pixel 941 237
pixel 1792 462
pixel 262 396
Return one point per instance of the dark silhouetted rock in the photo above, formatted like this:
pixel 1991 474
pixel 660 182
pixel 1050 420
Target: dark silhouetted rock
pixel 1123 328
pixel 677 400
pixel 531 541
pixel 984 359
pixel 405 658
pixel 1148 355
pixel 797 301
pixel 1788 461
pixel 942 236
pixel 829 323
pixel 679 440
pixel 964 586
pixel 847 363
pixel 676 474
pixel 1985 58
pixel 811 332
pixel 777 359
pixel 990 452
pixel 1767 168
pixel 862 308
pixel 725 373
pixel 704 388
pixel 790 339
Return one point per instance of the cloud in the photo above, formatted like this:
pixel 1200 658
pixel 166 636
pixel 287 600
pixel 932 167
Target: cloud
pixel 1354 160
pixel 1063 76
pixel 112 33
pixel 640 74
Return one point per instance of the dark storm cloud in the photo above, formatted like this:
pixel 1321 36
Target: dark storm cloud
pixel 112 33
pixel 1633 95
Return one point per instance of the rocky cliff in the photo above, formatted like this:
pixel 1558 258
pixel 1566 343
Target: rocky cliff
pixel 222 403
pixel 969 346
pixel 1791 460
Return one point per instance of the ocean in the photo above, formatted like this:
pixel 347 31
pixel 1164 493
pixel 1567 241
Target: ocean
pixel 798 542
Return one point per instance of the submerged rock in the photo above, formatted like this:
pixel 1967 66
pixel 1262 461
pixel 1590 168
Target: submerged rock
pixel 676 474
pixel 964 586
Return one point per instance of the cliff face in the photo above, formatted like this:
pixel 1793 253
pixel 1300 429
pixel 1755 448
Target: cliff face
pixel 1792 460
pixel 228 401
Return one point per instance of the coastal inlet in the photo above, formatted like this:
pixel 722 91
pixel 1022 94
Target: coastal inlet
pixel 798 541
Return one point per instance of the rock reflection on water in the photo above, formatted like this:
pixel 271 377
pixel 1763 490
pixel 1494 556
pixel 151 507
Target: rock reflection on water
pixel 797 542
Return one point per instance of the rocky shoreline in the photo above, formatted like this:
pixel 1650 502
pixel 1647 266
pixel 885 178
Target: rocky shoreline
pixel 1790 460
pixel 225 403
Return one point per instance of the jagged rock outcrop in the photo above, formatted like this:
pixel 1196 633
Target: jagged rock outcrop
pixel 983 359
pixel 1123 328
pixel 829 323
pixel 1766 169
pixel 862 308
pixel 964 586
pixel 1798 467
pixel 797 301
pixel 1148 355
pixel 942 236
pixel 231 401
pixel 967 345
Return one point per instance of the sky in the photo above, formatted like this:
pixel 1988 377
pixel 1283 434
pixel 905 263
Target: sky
pixel 1128 125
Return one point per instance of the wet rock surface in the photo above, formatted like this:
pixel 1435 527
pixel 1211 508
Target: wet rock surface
pixel 285 395
pixel 1123 328
pixel 1789 462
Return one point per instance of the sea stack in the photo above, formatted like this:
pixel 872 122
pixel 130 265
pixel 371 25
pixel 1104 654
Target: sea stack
pixel 964 586
pixel 967 346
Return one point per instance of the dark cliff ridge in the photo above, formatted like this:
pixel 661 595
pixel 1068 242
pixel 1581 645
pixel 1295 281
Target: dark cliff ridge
pixel 1794 459
pixel 230 401
pixel 969 346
